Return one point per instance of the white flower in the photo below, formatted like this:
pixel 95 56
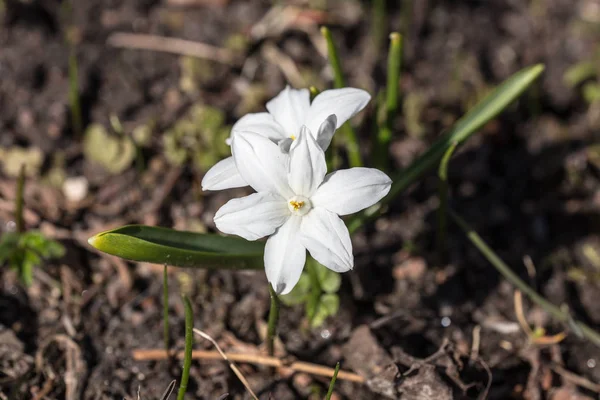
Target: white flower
pixel 297 205
pixel 288 112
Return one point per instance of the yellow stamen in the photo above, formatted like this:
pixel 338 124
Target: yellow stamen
pixel 293 137
pixel 296 205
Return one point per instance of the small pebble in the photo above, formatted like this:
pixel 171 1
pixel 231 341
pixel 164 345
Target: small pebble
pixel 76 188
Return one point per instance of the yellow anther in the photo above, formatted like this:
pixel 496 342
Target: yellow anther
pixel 293 137
pixel 296 205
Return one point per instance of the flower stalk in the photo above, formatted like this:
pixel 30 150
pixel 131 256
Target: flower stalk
pixel 189 344
pixel 20 225
pixel 273 320
pixel 352 145
pixel 166 308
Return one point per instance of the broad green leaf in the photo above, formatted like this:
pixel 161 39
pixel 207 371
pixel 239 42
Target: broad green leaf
pixel 178 248
pixel 478 116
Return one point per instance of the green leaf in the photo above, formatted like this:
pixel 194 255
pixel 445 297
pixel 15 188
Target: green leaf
pixel 329 280
pixel 178 248
pixel 580 72
pixel 114 154
pixel 329 305
pixel 478 116
pixel 299 293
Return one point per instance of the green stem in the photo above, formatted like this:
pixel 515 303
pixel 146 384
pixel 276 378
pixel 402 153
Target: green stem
pixel 273 320
pixel 189 343
pixel 378 23
pixel 443 195
pixel 334 59
pixel 513 278
pixel 315 289
pixel 339 81
pixel 390 107
pixel 166 308
pixel 19 201
pixel 332 383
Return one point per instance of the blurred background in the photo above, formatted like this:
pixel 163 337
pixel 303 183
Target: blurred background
pixel 117 125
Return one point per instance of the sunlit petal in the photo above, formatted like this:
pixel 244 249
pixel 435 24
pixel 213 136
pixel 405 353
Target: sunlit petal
pixel 350 190
pixel 252 217
pixel 327 239
pixel 223 175
pixel 344 103
pixel 260 162
pixel 285 256
pixel 307 164
pixel 289 108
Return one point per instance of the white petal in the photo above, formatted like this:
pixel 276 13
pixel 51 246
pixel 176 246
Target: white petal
pixel 262 123
pixel 285 144
pixel 223 175
pixel 289 108
pixel 326 131
pixel 252 217
pixel 344 103
pixel 260 162
pixel 326 237
pixel 285 256
pixel 307 164
pixel 350 190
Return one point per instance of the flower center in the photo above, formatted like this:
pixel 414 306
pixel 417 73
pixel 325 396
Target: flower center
pixel 293 137
pixel 299 205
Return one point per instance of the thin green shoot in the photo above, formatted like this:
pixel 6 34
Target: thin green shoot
pixel 332 383
pixel 273 320
pixel 378 24
pixel 352 145
pixel 189 343
pixel 558 313
pixel 166 308
pixel 390 107
pixel 19 221
pixel 443 196
pixel 315 288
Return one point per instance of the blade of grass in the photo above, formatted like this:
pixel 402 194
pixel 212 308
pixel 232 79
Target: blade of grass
pixel 189 343
pixel 443 195
pixel 166 307
pixel 390 107
pixel 483 112
pixel 512 277
pixel 347 131
pixel 273 320
pixel 20 225
pixel 332 383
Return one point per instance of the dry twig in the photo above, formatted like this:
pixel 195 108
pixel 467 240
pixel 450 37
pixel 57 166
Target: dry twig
pixel 172 45
pixel 576 379
pixel 296 366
